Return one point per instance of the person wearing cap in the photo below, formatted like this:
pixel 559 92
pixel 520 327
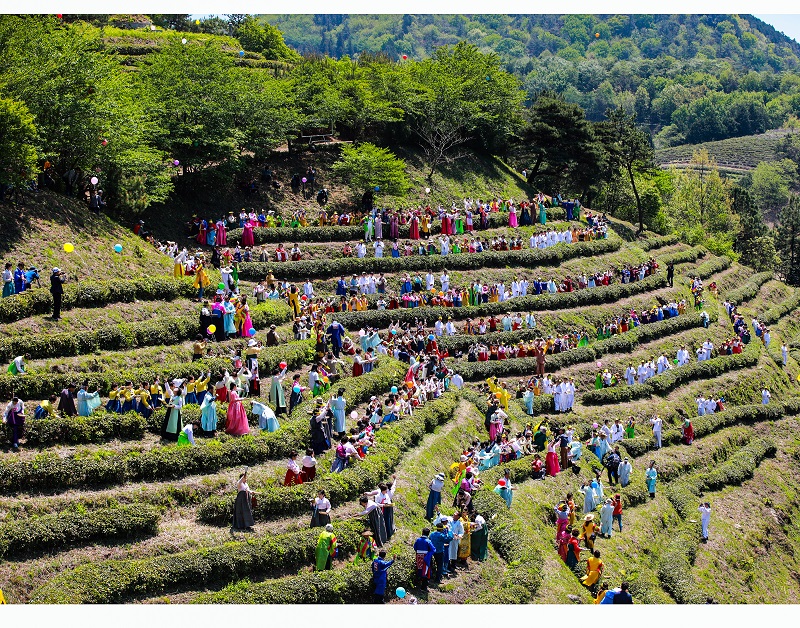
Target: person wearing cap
pixel 435 495
pixel 504 491
pixel 57 279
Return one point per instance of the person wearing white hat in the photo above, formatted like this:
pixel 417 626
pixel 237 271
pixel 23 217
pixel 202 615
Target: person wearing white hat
pixel 435 496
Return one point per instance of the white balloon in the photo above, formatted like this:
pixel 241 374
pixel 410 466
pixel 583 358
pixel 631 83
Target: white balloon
pixel 184 40
pixel 427 190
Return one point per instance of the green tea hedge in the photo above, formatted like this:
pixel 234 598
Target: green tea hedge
pixel 90 293
pixel 657 242
pixel 749 289
pixel 384 456
pixel 710 268
pixel 37 535
pixel 167 330
pixel 525 258
pixel 100 427
pixel 115 581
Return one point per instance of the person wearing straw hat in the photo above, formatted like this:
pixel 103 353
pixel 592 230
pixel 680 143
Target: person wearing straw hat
pixel 367 550
pixel 435 495
pixel 588 531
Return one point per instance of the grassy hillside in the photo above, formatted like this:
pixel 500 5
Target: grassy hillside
pixel 734 155
pixel 100 509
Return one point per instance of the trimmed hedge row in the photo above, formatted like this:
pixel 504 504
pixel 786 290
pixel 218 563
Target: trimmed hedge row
pixel 41 385
pixel 383 458
pixel 346 266
pixel 90 293
pixel 49 472
pixel 531 303
pixel 709 268
pixel 515 541
pixel 669 380
pixel 657 242
pixel 709 423
pixel 749 289
pixel 683 257
pixel 114 581
pixel 167 330
pixel 777 312
pixel 37 535
pixel 100 427
pixel 350 585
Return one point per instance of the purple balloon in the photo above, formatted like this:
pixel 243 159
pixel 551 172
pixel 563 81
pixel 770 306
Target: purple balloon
pixel 176 162
pixel 305 180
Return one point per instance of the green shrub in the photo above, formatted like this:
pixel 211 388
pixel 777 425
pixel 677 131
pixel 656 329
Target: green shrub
pixel 384 456
pixel 167 330
pixel 710 268
pixel 749 289
pixel 90 293
pixel 658 242
pixel 37 535
pixel 525 258
pixel 100 427
pixel 114 581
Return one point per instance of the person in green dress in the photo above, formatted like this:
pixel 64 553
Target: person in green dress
pixel 326 549
pixel 630 431
pixel 480 539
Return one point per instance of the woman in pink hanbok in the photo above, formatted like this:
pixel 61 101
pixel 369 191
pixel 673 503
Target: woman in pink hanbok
pixel 236 421
pixel 222 233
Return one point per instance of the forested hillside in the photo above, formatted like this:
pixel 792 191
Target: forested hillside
pixel 690 78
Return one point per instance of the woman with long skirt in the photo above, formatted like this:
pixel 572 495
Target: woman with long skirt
pixel 321 513
pixel 512 217
pixel 236 421
pixel 326 548
pixel 435 496
pixel 247 235
pixel 376 520
pixel 338 404
pixel 525 216
pixel 542 214
pixel 293 476
pixel 551 461
pixel 651 476
pixel 413 230
pixel 208 414
pixel 480 539
pixel 383 497
pixel 172 426
pixel 242 508
pixel 222 233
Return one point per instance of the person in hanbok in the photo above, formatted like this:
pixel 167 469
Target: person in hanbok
pixel 625 473
pixel 276 395
pixel 434 496
pixel 496 424
pixel 367 550
pixel 245 322
pixel 172 426
pixel 650 478
pixel 687 432
pixel 424 550
pixel 222 233
pixel 247 234
pixel 594 569
pixel 542 214
pixel 606 518
pixel 229 310
pixel 208 414
pixel 242 508
pixel 293 475
pixel 551 460
pixel 525 216
pixel 296 396
pixel 211 234
pixel 378 227
pixel 236 421
pixel 562 519
pixel 320 510
pixel 383 497
pixel 87 401
pixel 504 491
pixel 393 227
pixel 376 520
pixel 326 549
pixel 457 530
pixel 589 503
pixel 338 404
pixel 413 230
pixel 480 539
pixel 512 217
pixel 186 437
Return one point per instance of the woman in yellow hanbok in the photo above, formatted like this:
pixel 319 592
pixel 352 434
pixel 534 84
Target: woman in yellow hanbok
pixel 594 569
pixel 465 547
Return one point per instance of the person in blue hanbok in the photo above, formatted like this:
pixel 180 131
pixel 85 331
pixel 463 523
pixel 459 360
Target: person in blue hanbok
pixel 338 404
pixel 527 398
pixel 542 214
pixel 651 476
pixel 267 420
pixel 87 401
pixel 606 519
pixel 434 496
pixel 504 492
pixel 227 318
pixel 208 414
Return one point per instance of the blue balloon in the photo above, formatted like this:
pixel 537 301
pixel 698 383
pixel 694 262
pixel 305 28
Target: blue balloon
pixel 377 188
pixel 400 592
pixel 118 248
pixel 241 53
pixel 251 332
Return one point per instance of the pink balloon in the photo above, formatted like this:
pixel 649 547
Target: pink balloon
pixel 599 364
pixel 176 162
pixel 94 180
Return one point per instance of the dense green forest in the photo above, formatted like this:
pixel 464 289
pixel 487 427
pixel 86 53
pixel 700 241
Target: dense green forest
pixel 157 107
pixel 689 78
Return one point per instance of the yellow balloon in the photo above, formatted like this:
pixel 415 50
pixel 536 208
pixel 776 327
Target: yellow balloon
pixel 212 328
pixel 197 22
pixel 68 248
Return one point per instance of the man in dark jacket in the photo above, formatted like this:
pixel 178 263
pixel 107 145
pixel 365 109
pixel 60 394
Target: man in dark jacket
pixel 622 596
pixel 57 280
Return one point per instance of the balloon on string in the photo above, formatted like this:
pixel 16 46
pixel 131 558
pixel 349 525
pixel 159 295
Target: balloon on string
pixel 599 364
pixel 251 332
pixel 394 390
pixel 296 389
pixel 104 142
pixel 597 35
pixel 94 180
pixel 68 247
pixel 212 329
pixel 118 248
pixel 400 592
pixel 354 415
pixel 176 163
pixel 304 297
pixel 197 22
pixel 59 15
pixel 184 40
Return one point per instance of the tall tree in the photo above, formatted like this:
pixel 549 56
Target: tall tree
pixel 754 243
pixel 18 139
pixel 628 149
pixel 787 241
